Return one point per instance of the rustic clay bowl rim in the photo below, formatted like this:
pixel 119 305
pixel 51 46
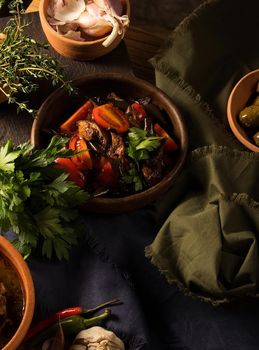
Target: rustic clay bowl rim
pixel 236 128
pixel 17 262
pixel 43 10
pixel 153 193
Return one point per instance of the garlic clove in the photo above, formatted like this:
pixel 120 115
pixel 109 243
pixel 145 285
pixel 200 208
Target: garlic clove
pixel 94 10
pixel 68 10
pixel 100 29
pixel 86 20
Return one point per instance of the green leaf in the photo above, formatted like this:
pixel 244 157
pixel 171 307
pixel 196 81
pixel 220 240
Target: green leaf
pixel 7 157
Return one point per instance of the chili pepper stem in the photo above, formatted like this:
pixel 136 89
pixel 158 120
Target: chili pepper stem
pixel 101 306
pixel 90 321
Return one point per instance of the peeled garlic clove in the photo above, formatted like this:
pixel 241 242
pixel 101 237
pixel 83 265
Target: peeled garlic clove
pixel 101 28
pixel 68 10
pixel 85 20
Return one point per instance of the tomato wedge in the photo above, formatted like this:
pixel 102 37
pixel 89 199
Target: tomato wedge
pixel 70 125
pixel 109 117
pixel 83 161
pixel 139 110
pixel 170 145
pixel 74 174
pixel 107 175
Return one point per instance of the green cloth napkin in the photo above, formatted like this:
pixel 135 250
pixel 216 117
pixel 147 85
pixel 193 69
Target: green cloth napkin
pixel 208 244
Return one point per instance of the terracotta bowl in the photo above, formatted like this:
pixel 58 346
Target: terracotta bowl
pixel 78 50
pixel 238 99
pixel 16 261
pixel 54 111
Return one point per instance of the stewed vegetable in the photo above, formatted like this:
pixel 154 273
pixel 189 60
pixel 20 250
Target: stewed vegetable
pixel 122 146
pixel 11 302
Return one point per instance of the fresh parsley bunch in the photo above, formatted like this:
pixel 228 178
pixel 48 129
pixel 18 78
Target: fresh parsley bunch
pixel 139 148
pixel 37 201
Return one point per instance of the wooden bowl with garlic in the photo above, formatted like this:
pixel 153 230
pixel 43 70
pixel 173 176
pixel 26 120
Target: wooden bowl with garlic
pixel 84 30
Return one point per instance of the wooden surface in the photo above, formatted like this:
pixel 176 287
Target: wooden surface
pixel 142 42
pixel 18 127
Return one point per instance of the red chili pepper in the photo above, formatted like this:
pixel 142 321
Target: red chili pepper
pixel 70 125
pixel 60 315
pixel 83 160
pixel 74 174
pixel 107 175
pixel 139 110
pixel 109 117
pixel 169 145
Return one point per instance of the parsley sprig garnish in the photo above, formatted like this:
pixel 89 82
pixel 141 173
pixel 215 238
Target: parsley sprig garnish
pixel 37 201
pixel 139 148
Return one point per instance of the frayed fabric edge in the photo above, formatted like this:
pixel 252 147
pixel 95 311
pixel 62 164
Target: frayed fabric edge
pixel 151 256
pixel 172 75
pixel 205 151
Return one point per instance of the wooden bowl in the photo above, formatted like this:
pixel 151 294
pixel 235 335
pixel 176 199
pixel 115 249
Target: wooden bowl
pixel 238 99
pixel 77 50
pixel 16 261
pixel 54 110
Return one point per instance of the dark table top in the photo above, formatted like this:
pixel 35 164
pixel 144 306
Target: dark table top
pixel 110 263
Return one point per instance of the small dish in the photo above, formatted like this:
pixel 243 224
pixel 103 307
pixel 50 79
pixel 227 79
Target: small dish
pixel 77 50
pixel 238 99
pixel 21 270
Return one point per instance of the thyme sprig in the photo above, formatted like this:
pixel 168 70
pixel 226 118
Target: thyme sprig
pixel 24 61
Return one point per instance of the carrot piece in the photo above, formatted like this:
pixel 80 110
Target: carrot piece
pixel 170 145
pixel 109 117
pixel 70 125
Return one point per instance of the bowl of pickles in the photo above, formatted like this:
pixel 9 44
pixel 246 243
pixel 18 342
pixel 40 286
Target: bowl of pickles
pixel 243 110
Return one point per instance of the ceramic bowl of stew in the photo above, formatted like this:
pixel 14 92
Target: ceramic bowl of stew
pixel 87 50
pixel 157 174
pixel 243 110
pixel 17 297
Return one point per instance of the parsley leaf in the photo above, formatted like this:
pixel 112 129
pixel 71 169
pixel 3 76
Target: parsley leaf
pixel 139 147
pixel 37 200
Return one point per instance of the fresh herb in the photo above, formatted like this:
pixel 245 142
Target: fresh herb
pixel 2 3
pixel 23 62
pixel 139 144
pixel 133 178
pixel 139 147
pixel 37 200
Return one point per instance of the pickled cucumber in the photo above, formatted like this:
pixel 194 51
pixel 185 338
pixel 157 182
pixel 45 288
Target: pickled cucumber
pixel 249 116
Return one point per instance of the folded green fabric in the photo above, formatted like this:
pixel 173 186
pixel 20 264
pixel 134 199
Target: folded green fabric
pixel 208 245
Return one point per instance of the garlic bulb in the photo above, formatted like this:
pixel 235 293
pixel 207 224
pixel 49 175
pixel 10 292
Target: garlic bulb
pixel 97 338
